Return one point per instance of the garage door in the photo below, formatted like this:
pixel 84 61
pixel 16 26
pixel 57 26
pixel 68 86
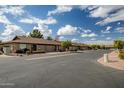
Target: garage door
pixel 7 50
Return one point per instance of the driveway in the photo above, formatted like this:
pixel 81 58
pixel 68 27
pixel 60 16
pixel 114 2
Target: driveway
pixel 59 70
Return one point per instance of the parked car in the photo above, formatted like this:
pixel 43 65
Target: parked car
pixel 22 50
pixel 1 51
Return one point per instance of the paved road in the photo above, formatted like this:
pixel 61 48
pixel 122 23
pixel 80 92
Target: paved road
pixel 71 70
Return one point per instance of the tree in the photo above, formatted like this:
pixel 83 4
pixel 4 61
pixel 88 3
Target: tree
pixel 102 47
pixel 49 38
pixel 66 44
pixel 94 46
pixel 119 44
pixel 36 34
pixel 98 46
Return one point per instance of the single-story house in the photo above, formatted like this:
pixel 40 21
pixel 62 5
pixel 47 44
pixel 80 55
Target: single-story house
pixel 34 45
pixel 109 46
pixel 78 46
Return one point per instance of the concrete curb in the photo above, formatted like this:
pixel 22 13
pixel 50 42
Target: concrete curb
pixel 4 56
pixel 114 61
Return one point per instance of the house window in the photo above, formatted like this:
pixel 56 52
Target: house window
pixel 22 46
pixel 34 47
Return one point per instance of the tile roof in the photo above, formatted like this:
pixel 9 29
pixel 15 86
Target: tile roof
pixel 30 40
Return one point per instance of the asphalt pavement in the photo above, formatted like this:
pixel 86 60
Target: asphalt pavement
pixel 71 70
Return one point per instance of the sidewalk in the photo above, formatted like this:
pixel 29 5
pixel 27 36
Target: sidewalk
pixel 57 52
pixel 114 61
pixel 5 56
pixel 41 54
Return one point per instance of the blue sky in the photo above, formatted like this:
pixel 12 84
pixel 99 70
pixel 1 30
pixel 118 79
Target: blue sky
pixel 86 24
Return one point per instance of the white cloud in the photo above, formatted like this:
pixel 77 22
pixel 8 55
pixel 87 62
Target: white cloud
pixel 34 20
pixel 4 19
pixel 102 42
pixel 119 29
pixel 86 30
pixel 104 10
pixel 27 20
pixel 13 10
pixel 30 20
pixel 27 33
pixel 44 30
pixel 99 12
pixel 61 38
pixel 60 9
pixel 82 30
pixel 107 30
pixel 74 40
pixel 67 30
pixel 92 7
pixel 66 8
pixel 88 35
pixel 42 24
pixel 83 7
pixel 49 20
pixel 119 23
pixel 114 17
pixel 10 31
pixel 108 13
pixel 108 38
pixel 92 39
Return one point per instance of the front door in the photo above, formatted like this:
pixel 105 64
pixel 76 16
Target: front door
pixel 34 47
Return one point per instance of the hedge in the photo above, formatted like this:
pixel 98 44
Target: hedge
pixel 121 54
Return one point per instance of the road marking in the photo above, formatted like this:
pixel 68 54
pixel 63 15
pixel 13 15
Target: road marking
pixel 49 56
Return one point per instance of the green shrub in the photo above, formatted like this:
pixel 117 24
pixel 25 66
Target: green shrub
pixel 121 55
